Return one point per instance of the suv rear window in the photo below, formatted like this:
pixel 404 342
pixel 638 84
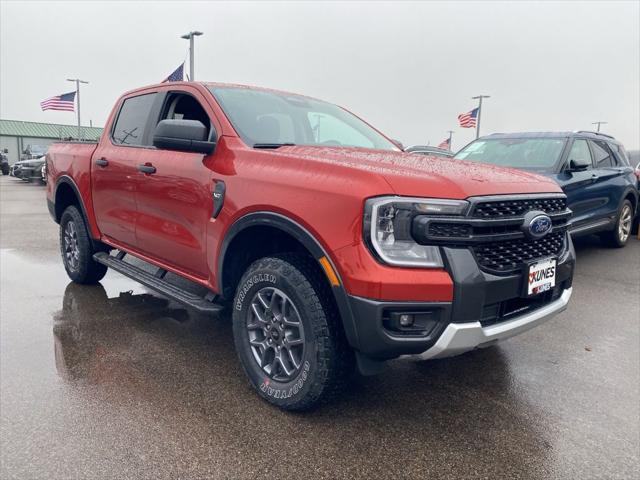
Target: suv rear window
pixel 132 119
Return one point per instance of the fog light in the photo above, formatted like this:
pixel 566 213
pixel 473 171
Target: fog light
pixel 406 320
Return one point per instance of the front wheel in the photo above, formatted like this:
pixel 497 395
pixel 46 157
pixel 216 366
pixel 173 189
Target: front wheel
pixel 287 332
pixel 77 250
pixel 618 237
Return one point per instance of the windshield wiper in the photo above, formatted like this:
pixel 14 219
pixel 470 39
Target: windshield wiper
pixel 272 145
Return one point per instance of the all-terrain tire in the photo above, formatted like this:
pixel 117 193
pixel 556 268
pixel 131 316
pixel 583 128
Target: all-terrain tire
pixel 618 237
pixel 325 360
pixel 77 249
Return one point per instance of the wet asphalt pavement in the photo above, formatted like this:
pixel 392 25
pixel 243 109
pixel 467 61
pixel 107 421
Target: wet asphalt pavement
pixel 115 382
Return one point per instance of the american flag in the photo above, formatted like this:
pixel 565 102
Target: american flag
pixel 444 144
pixel 60 102
pixel 468 120
pixel 177 75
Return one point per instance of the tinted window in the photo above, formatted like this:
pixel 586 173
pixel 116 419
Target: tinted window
pixel 133 116
pixel 540 154
pixel 602 155
pixel 580 152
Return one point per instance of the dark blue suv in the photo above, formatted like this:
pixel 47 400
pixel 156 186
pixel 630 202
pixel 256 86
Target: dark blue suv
pixel 592 168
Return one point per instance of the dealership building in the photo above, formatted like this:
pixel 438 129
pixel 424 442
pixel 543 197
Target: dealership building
pixel 21 138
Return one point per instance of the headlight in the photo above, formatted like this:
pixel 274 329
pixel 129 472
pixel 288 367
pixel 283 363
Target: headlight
pixel 387 228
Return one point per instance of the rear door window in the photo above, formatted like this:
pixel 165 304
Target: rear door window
pixel 129 128
pixel 602 155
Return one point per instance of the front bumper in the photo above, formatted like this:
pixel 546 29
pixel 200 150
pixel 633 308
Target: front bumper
pixel 30 173
pixel 458 338
pixel 485 308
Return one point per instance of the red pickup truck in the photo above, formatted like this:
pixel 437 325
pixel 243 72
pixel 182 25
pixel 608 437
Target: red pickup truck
pixel 330 245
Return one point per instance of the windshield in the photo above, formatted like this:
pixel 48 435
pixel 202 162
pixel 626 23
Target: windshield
pixel 539 154
pixel 265 118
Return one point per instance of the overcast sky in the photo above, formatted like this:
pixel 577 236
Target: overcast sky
pixel 407 68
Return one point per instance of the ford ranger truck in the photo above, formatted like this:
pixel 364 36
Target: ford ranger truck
pixel 330 246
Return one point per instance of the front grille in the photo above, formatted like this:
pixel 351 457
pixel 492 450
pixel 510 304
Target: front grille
pixel 506 256
pixel 448 230
pixel 514 208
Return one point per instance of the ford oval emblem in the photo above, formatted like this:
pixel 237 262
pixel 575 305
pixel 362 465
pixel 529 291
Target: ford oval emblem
pixel 539 226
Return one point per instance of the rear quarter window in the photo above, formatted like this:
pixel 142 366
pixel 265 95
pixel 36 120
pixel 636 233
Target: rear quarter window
pixel 620 154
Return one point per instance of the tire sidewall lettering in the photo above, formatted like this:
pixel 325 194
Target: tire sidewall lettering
pixel 250 282
pixel 284 393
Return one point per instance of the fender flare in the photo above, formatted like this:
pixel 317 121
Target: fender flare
pixel 66 179
pixel 313 246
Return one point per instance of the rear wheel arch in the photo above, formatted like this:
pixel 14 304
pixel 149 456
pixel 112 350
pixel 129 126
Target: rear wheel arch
pixel 66 194
pixel 631 196
pixel 262 234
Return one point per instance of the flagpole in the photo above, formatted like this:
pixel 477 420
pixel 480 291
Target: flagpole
pixel 78 82
pixel 450 135
pixel 191 36
pixel 479 98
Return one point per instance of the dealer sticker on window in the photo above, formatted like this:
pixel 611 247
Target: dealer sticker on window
pixel 542 276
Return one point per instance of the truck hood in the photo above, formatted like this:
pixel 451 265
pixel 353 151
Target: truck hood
pixel 426 176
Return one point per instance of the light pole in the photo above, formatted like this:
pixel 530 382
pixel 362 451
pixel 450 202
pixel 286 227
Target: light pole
pixel 190 36
pixel 479 98
pixel 78 82
pixel 450 135
pixel 599 123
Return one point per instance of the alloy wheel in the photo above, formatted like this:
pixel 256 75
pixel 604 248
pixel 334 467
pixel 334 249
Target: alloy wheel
pixel 276 334
pixel 71 248
pixel 624 224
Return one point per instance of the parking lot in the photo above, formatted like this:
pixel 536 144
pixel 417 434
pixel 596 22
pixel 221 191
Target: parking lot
pixel 114 381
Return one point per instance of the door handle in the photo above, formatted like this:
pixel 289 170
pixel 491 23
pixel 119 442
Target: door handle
pixel 147 169
pixel 102 162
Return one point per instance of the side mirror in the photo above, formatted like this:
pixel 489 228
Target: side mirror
pixel 183 135
pixel 578 164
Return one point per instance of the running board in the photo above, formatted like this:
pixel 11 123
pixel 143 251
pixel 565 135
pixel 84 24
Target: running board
pixel 158 283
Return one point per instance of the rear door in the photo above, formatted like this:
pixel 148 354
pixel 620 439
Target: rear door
pixel 609 185
pixel 174 203
pixel 114 170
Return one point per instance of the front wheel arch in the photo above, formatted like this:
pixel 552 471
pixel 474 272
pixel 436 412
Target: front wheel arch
pixel 297 237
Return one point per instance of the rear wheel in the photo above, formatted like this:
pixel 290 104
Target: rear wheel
pixel 287 332
pixel 77 250
pixel 620 234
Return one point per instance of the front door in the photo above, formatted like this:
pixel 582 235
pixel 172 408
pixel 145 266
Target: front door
pixel 114 173
pixel 174 198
